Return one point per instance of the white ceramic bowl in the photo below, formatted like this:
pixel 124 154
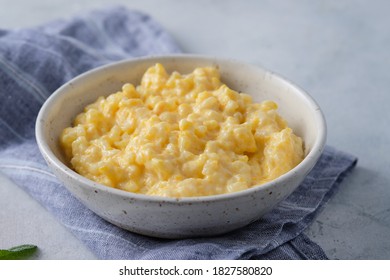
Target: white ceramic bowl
pixel 182 217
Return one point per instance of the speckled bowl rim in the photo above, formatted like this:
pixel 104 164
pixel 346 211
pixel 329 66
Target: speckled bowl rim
pixel 307 163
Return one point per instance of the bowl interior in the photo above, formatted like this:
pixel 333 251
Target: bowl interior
pixel 300 111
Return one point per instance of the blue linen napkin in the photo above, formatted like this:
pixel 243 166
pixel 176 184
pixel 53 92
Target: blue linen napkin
pixel 34 62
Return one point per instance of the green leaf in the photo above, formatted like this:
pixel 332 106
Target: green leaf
pixel 18 252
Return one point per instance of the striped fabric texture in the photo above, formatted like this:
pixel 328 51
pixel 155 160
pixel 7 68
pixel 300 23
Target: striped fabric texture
pixel 35 62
